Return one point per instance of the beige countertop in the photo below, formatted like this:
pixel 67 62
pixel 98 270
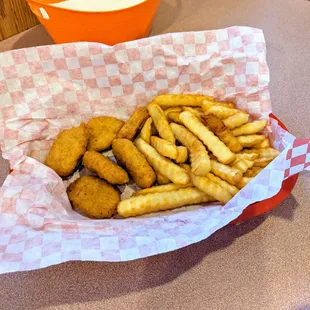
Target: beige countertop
pixel 261 264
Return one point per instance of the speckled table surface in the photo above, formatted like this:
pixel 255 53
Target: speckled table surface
pixel 261 264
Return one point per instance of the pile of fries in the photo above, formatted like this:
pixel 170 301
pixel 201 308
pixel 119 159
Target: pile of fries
pixel 197 149
pixel 224 149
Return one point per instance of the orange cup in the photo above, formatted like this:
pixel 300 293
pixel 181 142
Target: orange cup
pixel 109 27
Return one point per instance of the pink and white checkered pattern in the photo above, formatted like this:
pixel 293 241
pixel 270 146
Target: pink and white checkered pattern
pixel 46 89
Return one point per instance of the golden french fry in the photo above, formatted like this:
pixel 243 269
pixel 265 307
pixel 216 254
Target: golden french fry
pixel 173 110
pixel 164 147
pixel 249 156
pixel 146 130
pixel 131 127
pixel 174 117
pixel 227 173
pixel 199 158
pixel 224 134
pixel 263 161
pixel 160 189
pixel 250 128
pixel 161 179
pixel 250 140
pixel 214 144
pixel 161 164
pixel 243 182
pixel 221 112
pixel 182 154
pixel 207 103
pixel 161 122
pixel 236 120
pixel 211 188
pixel 161 201
pixel 180 100
pixel 264 145
pixel 153 129
pixel 268 152
pixel 243 165
pixel 196 112
pixel 252 172
pixel 230 188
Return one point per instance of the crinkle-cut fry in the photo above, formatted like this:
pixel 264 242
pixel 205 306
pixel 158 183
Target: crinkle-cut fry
pixel 164 147
pixel 243 182
pixel 250 128
pixel 153 129
pixel 224 134
pixel 196 112
pixel 221 112
pixel 263 161
pixel 227 173
pixel 210 188
pixel 173 110
pixel 161 164
pixel 249 156
pixel 207 103
pixel 252 172
pixel 230 188
pixel 236 120
pixel 161 201
pixel 179 100
pixel 268 152
pixel 182 155
pixel 250 140
pixel 146 130
pixel 133 124
pixel 160 122
pixel 174 117
pixel 264 145
pixel 160 189
pixel 243 165
pixel 199 157
pixel 213 143
pixel 161 179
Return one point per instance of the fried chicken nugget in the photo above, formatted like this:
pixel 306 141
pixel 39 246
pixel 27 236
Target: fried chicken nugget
pixel 67 149
pixel 105 168
pixel 133 124
pixel 93 197
pixel 138 167
pixel 102 130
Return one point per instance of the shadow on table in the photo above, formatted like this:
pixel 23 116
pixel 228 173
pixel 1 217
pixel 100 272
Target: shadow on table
pixel 166 15
pixel 36 36
pixel 286 209
pixel 78 282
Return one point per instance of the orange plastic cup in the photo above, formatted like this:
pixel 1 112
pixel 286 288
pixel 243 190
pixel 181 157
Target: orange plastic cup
pixel 109 27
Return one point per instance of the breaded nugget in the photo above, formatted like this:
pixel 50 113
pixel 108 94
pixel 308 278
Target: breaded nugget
pixel 138 167
pixel 133 124
pixel 67 149
pixel 105 168
pixel 93 197
pixel 102 131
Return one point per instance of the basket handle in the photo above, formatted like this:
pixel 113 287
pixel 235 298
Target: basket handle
pixel 39 11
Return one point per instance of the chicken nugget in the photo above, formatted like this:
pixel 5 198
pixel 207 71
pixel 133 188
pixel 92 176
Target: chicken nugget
pixel 93 197
pixel 105 168
pixel 134 123
pixel 138 167
pixel 102 131
pixel 67 149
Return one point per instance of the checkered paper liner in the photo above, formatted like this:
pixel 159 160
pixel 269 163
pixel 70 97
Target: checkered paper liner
pixel 46 89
